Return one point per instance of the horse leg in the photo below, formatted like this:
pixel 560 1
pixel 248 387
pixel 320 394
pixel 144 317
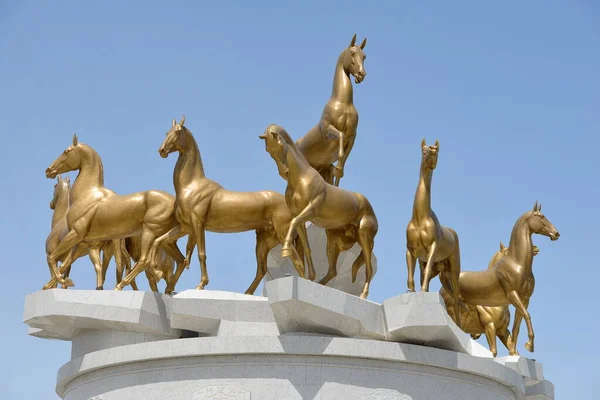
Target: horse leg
pixel 490 335
pixel 95 257
pixel 428 267
pixel 422 266
pixel 199 234
pixel 453 269
pixel 359 262
pixel 126 257
pixel 282 227
pixel 67 244
pixel 334 247
pixel 521 308
pixel 515 332
pixel 171 236
pixel 366 235
pixel 75 253
pixel 305 215
pixel 147 239
pixel 151 281
pixel 264 243
pixel 303 235
pixel 173 251
pixel 411 260
pixel 506 339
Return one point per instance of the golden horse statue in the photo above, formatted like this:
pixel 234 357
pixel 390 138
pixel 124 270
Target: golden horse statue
pixel 60 205
pixel 333 137
pixel 98 214
pixel 435 246
pixel 204 205
pixel 346 216
pixel 511 279
pixel 491 321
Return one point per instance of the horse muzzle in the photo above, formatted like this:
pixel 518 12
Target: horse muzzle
pixel 51 173
pixel 554 235
pixel 163 153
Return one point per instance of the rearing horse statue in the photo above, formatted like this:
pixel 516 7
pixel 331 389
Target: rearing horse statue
pixel 511 280
pixel 97 213
pixel 434 245
pixel 204 205
pixel 347 217
pixel 333 137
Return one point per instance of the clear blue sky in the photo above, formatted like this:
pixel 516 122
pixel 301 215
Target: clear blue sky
pixel 511 90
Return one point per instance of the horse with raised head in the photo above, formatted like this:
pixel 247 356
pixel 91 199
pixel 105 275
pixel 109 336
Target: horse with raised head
pixel 333 137
pixel 511 279
pixel 346 216
pixel 98 214
pixel 435 246
pixel 204 205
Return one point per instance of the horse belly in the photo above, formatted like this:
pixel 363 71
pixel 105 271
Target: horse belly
pixel 482 288
pixel 340 208
pixel 118 217
pixel 232 212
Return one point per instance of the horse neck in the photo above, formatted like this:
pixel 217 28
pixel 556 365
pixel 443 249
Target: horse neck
pixel 521 247
pixel 62 206
pixel 189 164
pixel 297 166
pixel 422 203
pixel 342 86
pixel 91 172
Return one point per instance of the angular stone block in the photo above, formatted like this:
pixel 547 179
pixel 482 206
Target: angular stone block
pixel 300 305
pixel 61 314
pixel 421 318
pixel 531 370
pixel 279 267
pixel 216 313
pixel 543 390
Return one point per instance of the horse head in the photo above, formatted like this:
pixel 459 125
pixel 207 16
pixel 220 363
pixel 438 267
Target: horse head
pixel 69 160
pixel 538 223
pixel 277 142
pixel 61 189
pixel 175 140
pixel 354 60
pixel 430 154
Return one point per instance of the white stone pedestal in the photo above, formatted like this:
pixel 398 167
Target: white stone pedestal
pixel 303 341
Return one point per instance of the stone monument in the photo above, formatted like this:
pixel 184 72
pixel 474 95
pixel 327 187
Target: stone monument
pixel 313 334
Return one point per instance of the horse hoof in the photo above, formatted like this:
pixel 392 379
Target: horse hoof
pixel 529 346
pixel 118 288
pixel 364 295
pixel 286 252
pixel 99 287
pixel 68 283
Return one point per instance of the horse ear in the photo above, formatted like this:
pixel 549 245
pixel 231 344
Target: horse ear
pixel 502 246
pixel 182 120
pixel 540 207
pixel 353 40
pixel 74 139
pixel 423 143
pixel 535 206
pixel 363 44
pixel 437 143
pixel 174 122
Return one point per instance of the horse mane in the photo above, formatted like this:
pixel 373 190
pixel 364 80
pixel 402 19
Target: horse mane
pixel 97 156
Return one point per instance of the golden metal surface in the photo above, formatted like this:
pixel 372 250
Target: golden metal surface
pixel 491 321
pixel 60 204
pixel 333 137
pixel 98 214
pixel 347 216
pixel 204 205
pixel 435 246
pixel 511 280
